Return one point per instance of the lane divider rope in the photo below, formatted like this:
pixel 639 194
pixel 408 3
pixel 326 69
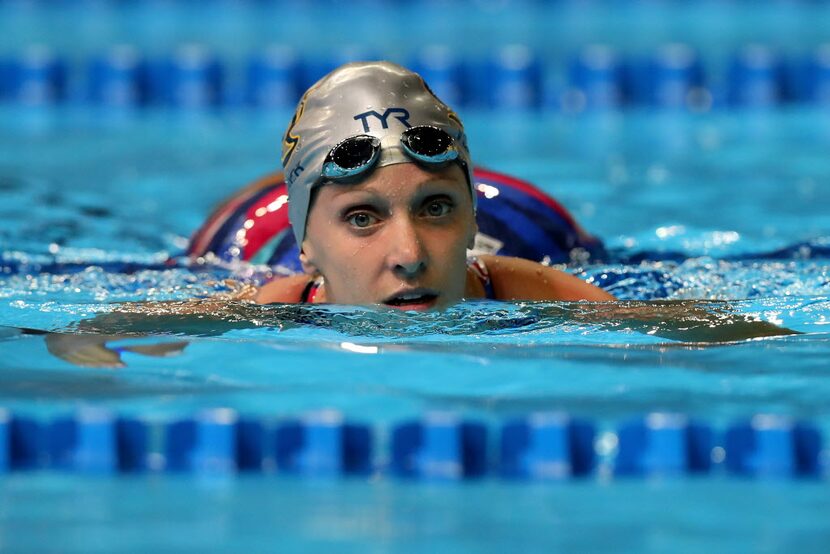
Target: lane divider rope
pixel 439 446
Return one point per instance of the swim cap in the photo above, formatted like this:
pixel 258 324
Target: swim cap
pixel 380 99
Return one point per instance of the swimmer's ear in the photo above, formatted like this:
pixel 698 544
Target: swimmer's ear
pixel 306 257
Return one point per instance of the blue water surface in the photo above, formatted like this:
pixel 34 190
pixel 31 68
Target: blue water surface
pixel 720 207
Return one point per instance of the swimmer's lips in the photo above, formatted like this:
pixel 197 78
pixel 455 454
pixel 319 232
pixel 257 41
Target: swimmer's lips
pixel 412 299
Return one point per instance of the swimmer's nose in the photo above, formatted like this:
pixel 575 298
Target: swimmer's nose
pixel 407 256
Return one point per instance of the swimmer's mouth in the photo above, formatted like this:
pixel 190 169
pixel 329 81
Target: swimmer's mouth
pixel 415 299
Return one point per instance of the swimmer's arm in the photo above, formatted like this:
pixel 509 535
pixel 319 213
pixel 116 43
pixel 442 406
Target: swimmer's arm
pixel 214 315
pixel 91 350
pixel 519 279
pixel 86 344
pixel 689 321
pixel 152 317
pixel 683 320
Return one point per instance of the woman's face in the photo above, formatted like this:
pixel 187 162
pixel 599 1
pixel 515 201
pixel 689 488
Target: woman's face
pixel 398 238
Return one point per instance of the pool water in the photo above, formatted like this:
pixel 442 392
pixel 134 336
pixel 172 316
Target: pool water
pixel 252 515
pixel 725 207
pixel 718 207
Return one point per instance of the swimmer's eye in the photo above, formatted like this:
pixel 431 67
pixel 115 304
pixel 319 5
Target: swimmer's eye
pixel 361 220
pixel 438 208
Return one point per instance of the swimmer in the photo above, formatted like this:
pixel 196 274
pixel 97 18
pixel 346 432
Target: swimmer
pixel 382 204
pixel 382 201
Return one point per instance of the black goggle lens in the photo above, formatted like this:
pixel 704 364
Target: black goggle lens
pixel 427 141
pixel 355 152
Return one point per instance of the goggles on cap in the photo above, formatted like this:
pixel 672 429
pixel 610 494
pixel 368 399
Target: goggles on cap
pixel 358 154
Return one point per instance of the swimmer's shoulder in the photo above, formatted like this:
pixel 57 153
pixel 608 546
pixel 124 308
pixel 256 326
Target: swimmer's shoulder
pixel 284 290
pixel 520 279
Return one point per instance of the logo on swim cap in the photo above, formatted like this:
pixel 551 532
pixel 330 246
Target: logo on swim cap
pixel 290 140
pixel 452 116
pixel 403 117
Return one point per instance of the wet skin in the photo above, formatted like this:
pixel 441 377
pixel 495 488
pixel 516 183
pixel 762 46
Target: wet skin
pixel 398 238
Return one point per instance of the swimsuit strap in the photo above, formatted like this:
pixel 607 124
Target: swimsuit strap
pixel 480 271
pixel 311 289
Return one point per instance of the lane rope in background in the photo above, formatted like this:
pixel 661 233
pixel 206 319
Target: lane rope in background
pixel 438 446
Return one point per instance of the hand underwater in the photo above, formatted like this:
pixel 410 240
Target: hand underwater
pixel 88 350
